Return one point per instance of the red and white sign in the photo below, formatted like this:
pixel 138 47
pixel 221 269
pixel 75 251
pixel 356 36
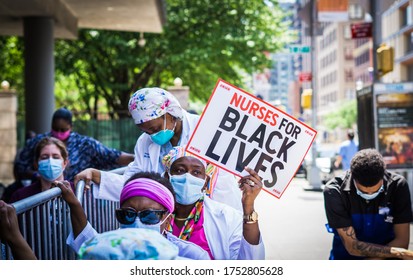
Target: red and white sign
pixel 305 77
pixel 332 10
pixel 361 30
pixel 237 129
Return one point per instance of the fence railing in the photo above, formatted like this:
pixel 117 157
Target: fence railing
pixel 44 221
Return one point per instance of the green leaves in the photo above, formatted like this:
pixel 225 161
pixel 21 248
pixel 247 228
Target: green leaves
pixel 201 42
pixel 344 117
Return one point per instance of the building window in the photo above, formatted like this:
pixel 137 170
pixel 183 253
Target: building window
pixel 348 74
pixel 363 58
pixel 347 31
pixel 350 93
pixel 409 42
pixel 348 53
pixel 361 41
pixel 410 72
pixel 407 15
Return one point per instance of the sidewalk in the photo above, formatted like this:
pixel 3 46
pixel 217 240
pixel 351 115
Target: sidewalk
pixel 411 237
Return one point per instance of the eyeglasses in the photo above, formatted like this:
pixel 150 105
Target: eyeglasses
pixel 128 215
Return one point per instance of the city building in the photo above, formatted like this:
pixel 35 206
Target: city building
pixel 397 32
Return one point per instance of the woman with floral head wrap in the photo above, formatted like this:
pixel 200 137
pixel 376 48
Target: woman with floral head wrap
pixel 165 124
pixel 217 228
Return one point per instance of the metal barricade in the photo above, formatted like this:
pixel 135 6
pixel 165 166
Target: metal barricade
pixel 100 213
pixel 44 221
pixel 45 224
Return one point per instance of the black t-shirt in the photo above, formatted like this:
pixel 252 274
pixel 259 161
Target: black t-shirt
pixel 372 220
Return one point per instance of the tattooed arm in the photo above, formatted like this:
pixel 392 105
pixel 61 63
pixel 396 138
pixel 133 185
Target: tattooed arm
pixel 369 250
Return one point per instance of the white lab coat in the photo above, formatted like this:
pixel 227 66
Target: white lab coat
pixel 223 227
pixel 147 155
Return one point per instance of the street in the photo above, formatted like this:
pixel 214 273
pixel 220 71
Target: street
pixel 293 227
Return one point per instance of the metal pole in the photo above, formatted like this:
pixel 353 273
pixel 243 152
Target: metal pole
pixel 376 32
pixel 314 179
pixel 39 73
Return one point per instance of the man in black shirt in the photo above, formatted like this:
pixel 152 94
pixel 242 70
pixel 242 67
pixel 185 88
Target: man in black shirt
pixel 369 211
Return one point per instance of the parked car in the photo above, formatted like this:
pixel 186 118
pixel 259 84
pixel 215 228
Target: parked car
pixel 326 156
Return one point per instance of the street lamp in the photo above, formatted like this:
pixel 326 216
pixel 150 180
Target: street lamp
pixel 141 41
pixel 5 85
pixel 178 82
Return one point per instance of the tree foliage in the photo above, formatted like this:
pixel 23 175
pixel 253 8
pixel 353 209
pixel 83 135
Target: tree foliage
pixel 201 42
pixel 344 117
pixel 11 64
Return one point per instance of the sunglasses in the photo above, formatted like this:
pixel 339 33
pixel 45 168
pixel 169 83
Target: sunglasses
pixel 127 216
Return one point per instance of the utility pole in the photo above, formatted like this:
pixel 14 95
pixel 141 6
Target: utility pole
pixel 314 179
pixel 376 36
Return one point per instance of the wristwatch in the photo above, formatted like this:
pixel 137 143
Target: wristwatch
pixel 251 218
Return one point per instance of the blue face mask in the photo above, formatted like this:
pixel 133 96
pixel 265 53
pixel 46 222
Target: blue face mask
pixel 50 169
pixel 188 188
pixel 369 196
pixel 162 137
pixel 138 224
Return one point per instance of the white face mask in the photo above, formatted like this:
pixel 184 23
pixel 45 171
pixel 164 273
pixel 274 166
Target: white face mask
pixel 369 196
pixel 188 188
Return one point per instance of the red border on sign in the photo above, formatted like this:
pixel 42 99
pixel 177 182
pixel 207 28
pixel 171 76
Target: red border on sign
pixel 259 100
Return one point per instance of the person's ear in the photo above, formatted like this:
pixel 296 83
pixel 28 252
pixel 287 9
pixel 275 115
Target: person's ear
pixel 65 163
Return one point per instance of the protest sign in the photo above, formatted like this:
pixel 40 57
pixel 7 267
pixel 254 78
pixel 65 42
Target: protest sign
pixel 237 129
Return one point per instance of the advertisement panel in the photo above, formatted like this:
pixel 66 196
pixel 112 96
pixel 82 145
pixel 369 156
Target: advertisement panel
pixel 395 128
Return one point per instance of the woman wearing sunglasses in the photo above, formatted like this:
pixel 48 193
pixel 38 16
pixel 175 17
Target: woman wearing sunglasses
pixel 146 201
pixel 224 232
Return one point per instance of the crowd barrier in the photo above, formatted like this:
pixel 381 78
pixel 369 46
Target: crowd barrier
pixel 44 221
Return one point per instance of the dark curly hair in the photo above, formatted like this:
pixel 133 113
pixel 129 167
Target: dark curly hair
pixel 367 167
pixel 63 113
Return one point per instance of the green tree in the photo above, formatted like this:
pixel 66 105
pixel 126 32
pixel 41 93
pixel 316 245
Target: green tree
pixel 201 42
pixel 344 117
pixel 11 64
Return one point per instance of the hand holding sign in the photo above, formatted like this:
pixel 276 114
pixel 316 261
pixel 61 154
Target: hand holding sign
pixel 237 130
pixel 250 186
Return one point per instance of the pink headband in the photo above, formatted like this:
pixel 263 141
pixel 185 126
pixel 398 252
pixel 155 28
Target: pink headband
pixel 150 189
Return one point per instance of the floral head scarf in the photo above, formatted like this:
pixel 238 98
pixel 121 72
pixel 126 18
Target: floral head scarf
pixel 211 170
pixel 174 154
pixel 128 244
pixel 150 103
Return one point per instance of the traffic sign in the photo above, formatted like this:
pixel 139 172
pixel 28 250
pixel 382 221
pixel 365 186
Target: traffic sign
pixel 361 30
pixel 299 49
pixel 305 77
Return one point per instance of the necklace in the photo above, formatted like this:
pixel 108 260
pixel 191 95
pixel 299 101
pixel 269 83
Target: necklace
pixel 179 219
